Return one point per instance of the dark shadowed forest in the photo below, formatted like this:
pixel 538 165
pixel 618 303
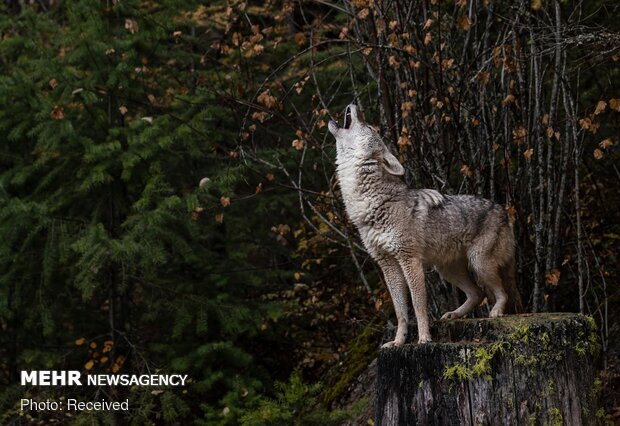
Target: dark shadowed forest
pixel 169 204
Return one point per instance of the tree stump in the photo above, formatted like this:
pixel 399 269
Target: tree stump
pixel 531 369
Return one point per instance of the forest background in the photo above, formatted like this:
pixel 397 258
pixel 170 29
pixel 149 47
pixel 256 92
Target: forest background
pixel 168 201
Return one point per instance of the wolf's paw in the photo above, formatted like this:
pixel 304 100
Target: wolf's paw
pixel 450 315
pixel 393 344
pixel 424 339
pixel 496 314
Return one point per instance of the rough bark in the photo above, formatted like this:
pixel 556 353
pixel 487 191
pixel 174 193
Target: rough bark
pixel 532 369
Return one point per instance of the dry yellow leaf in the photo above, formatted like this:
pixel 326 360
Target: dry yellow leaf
pixel 298 144
pixel 363 14
pixel 600 107
pixel 466 171
pixel 553 277
pixel 606 143
pixel 598 154
pixel 549 132
pixel 393 62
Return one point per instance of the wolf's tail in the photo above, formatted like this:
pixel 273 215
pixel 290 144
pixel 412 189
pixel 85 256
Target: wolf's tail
pixel 509 279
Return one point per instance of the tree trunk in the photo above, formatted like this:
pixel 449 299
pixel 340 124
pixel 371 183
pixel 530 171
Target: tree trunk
pixel 532 369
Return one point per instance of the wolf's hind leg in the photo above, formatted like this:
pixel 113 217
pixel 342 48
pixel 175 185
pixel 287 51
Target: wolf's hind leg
pixel 459 276
pixel 397 286
pixel 487 272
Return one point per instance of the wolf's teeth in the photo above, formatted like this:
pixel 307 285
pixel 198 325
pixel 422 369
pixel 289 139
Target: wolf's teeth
pixel 347 118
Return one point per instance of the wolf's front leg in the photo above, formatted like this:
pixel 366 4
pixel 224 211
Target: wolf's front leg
pixel 414 274
pixel 397 286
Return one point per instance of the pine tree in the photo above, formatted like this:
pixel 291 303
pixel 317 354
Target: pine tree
pixel 112 258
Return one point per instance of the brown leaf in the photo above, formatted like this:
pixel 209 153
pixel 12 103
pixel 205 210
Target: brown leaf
pixel 508 99
pixel 89 365
pixel 528 153
pixel 378 304
pixel 403 141
pixel 606 143
pixel 394 62
pixel 123 109
pixel 298 144
pixel 536 4
pixel 519 135
pixel 427 24
pixel 483 77
pixel 512 212
pixel 428 38
pixel 466 171
pixel 409 49
pixel 614 104
pixel 553 277
pixel 446 64
pixel 53 83
pixel 259 116
pixel 463 22
pixel 549 132
pixel 219 218
pixel 132 26
pixel 80 341
pixel 363 14
pixel 600 107
pixel 598 154
pixel 270 176
pixel 225 201
pixel 299 38
pixel 58 113
pixel 267 99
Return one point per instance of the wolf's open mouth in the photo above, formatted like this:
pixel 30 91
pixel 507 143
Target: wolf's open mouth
pixel 347 118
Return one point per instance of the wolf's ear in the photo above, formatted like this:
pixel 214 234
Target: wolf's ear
pixel 391 164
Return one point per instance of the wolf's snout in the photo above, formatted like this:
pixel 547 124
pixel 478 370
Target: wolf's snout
pixel 333 127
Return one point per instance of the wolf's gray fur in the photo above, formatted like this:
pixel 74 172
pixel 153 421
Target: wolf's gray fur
pixel 467 239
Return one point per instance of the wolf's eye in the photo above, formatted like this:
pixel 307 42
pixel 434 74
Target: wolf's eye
pixel 347 118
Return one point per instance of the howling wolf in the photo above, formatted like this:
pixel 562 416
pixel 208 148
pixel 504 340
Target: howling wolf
pixel 467 239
